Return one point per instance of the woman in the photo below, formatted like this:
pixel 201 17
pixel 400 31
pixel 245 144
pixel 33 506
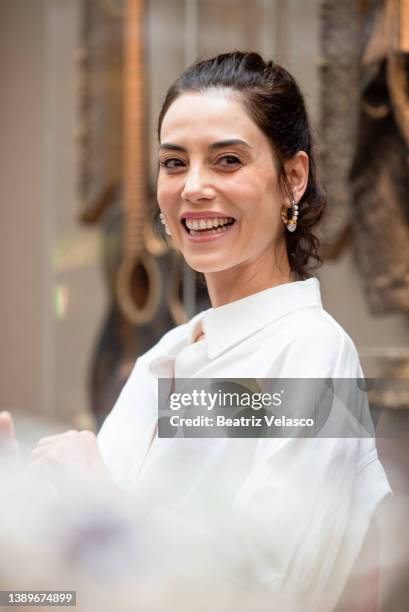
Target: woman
pixel 238 192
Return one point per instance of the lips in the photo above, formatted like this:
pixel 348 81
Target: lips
pixel 205 214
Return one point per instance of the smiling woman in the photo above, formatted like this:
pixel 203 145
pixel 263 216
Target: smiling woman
pixel 224 176
pixel 238 192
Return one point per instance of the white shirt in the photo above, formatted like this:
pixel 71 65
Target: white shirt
pixel 306 503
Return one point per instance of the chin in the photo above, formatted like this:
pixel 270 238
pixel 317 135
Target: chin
pixel 199 264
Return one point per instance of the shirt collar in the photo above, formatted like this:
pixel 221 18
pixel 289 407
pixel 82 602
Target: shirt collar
pixel 227 325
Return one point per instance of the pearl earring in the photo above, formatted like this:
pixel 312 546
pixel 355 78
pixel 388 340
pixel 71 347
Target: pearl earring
pixel 291 224
pixel 163 220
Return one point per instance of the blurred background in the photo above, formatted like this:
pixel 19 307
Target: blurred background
pixel 67 217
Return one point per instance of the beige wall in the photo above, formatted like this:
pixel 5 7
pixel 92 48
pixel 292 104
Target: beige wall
pixel 22 178
pixel 44 357
pixel 44 252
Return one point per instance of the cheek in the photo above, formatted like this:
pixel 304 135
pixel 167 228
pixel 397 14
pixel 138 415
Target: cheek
pixel 241 191
pixel 166 194
pixel 256 196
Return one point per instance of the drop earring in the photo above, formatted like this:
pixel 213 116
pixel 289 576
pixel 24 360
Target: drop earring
pixel 291 224
pixel 166 226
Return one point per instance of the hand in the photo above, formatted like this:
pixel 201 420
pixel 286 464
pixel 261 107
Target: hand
pixel 74 453
pixel 9 448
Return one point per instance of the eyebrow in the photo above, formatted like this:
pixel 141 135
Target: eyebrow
pixel 221 144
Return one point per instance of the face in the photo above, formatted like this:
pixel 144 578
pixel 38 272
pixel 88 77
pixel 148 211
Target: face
pixel 218 184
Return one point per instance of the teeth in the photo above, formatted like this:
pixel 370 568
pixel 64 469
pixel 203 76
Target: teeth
pixel 214 230
pixel 202 224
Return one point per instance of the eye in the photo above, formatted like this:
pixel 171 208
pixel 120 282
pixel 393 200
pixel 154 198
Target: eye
pixel 172 163
pixel 229 161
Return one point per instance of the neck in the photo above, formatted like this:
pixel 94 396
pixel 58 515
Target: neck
pixel 243 280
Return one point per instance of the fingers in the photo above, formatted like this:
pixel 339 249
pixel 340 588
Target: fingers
pixel 8 443
pixel 50 445
pixel 6 425
pixel 47 440
pixel 67 447
pixel 38 452
pixel 45 459
pixel 73 454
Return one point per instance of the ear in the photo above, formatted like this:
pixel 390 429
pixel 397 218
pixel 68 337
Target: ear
pixel 296 170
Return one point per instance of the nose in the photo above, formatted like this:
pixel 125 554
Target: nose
pixel 197 186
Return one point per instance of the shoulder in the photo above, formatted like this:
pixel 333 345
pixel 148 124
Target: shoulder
pixel 314 344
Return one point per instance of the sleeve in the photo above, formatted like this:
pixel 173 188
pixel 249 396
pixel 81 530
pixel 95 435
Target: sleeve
pixel 126 433
pixel 303 513
pixel 307 503
pixel 121 413
pixel 122 437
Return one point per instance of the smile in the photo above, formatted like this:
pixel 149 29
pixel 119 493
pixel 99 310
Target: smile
pixel 206 227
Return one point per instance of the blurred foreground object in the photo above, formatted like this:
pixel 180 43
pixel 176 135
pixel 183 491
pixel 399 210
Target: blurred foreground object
pixel 75 537
pixel 146 550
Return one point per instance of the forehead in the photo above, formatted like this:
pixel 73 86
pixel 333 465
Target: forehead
pixel 209 116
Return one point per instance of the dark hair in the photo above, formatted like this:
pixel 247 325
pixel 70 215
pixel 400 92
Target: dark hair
pixel 274 101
